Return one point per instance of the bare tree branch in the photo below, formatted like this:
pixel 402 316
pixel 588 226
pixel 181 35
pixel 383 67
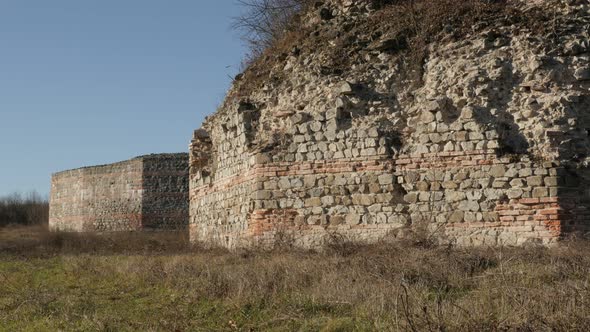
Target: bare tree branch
pixel 264 21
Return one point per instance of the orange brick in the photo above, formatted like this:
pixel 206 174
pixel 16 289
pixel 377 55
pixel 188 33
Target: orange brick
pixel 529 201
pixel 509 213
pixel 549 200
pixel 550 211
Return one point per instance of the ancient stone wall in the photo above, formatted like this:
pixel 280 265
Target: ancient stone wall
pixel 165 192
pixel 491 148
pixel 148 192
pixel 468 197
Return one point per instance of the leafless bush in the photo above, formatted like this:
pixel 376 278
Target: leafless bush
pixel 29 210
pixel 341 245
pixel 265 21
pixel 283 240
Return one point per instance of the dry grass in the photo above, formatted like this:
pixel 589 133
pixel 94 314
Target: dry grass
pixel 37 241
pixel 158 282
pixel 405 28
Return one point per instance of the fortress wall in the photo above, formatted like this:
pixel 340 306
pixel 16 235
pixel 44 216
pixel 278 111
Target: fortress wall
pixel 220 180
pixel 476 197
pixel 464 198
pixel 489 145
pixel 165 191
pixel 102 198
pixel 149 192
pixel 358 199
pixel 450 175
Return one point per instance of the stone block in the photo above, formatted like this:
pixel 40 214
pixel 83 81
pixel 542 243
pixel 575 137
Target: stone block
pixel 498 171
pixel 490 216
pixel 262 195
pixel 540 192
pixel 450 185
pixel 336 220
pixel 499 184
pixel 374 188
pixel 422 186
pixel 364 200
pixel 533 181
pixel 468 206
pixel 315 126
pixel 411 198
pixel 454 196
pixel 284 183
pixel 461 136
pixel 353 219
pixel 313 202
pixel 551 181
pixel 525 172
pixel 375 208
pixel 328 200
pixel 470 217
pixel 514 193
pixel 386 179
pixel 456 217
pixel 424 196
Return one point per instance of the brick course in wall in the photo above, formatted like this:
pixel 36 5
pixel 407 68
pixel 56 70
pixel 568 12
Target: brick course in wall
pixel 147 192
pixel 467 198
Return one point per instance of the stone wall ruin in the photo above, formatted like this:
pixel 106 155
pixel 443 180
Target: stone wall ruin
pixel 492 148
pixel 147 192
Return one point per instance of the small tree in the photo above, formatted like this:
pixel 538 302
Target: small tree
pixel 265 21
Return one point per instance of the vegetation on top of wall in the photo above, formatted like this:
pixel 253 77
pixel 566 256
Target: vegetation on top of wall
pixel 264 22
pixel 274 30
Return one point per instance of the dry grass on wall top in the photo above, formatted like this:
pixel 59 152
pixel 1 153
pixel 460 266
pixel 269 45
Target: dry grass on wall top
pixel 405 28
pixel 154 282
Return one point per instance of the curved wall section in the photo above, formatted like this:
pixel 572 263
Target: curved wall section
pixel 148 192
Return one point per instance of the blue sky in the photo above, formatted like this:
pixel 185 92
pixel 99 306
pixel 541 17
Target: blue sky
pixel 85 82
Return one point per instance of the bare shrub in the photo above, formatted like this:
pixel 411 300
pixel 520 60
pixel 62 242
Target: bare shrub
pixel 283 240
pixel 31 209
pixel 266 21
pixel 341 244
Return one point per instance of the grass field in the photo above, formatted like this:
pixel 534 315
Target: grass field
pixel 158 282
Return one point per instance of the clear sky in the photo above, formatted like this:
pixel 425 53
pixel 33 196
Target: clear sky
pixel 86 82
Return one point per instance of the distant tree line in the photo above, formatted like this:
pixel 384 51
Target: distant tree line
pixel 30 209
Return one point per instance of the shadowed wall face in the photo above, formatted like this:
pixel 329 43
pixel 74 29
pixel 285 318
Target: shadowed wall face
pixel 149 192
pixel 165 192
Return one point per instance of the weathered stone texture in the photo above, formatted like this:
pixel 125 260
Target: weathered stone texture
pixel 491 149
pixel 148 192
